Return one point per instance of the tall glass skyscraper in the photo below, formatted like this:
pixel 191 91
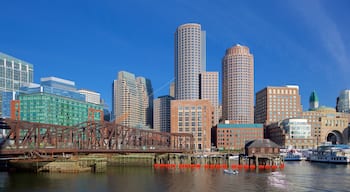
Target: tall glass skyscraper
pixel 190 60
pixel 343 101
pixel 132 100
pixel 238 85
pixel 14 73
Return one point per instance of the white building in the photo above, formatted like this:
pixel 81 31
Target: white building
pixel 91 96
pixel 297 128
pixel 190 60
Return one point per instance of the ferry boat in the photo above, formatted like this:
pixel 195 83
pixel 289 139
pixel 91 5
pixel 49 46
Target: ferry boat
pixel 331 154
pixel 293 155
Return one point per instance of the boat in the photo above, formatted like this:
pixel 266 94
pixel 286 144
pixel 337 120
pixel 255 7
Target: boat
pixel 293 155
pixel 331 154
pixel 231 171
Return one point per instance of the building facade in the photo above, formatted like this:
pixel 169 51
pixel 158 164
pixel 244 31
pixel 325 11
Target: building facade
pixel 275 104
pixel 194 117
pixel 343 102
pixel 209 86
pixel 238 85
pixel 292 133
pixel 56 101
pixel 190 60
pixel 91 96
pixel 131 103
pixel 328 125
pixel 235 136
pixel 14 73
pixel 161 113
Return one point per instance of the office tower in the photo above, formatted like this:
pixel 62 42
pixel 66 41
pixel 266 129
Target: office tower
pixel 131 105
pixel 277 103
pixel 145 92
pixel 56 101
pixel 14 73
pixel 238 85
pixel 343 101
pixel 161 113
pixel 313 101
pixel 91 96
pixel 209 86
pixel 194 117
pixel 172 89
pixel 190 60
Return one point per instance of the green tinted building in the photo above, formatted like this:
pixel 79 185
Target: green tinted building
pixel 56 101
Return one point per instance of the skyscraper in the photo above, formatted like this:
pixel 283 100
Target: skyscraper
pixel 238 85
pixel 190 60
pixel 131 100
pixel 14 73
pixel 161 113
pixel 209 86
pixel 343 101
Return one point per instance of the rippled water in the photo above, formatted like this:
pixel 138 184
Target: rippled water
pixel 296 176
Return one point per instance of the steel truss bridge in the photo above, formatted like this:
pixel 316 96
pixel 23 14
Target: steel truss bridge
pixel 22 137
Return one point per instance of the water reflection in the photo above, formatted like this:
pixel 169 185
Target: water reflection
pixel 297 176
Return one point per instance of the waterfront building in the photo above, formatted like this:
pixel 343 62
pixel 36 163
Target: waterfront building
pixel 343 101
pixel 313 101
pixel 161 113
pixel 91 96
pixel 328 125
pixel 292 133
pixel 274 104
pixel 209 86
pixel 56 101
pixel 131 101
pixel 14 73
pixel 238 85
pixel 234 136
pixel 190 60
pixel 194 117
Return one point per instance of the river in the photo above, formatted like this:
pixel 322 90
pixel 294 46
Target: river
pixel 296 176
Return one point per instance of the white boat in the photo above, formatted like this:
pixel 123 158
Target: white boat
pixel 293 155
pixel 331 154
pixel 231 171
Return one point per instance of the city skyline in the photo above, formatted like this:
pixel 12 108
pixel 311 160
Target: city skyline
pixel 294 43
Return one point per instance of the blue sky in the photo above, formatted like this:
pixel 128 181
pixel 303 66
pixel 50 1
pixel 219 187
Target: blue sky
pixel 294 42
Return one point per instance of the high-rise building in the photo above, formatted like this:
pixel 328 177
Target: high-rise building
pixel 190 60
pixel 313 101
pixel 343 101
pixel 238 85
pixel 194 117
pixel 172 89
pixel 91 96
pixel 161 113
pixel 209 87
pixel 56 101
pixel 131 100
pixel 14 73
pixel 275 104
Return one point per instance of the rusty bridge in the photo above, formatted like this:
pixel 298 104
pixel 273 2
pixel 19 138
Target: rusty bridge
pixel 21 137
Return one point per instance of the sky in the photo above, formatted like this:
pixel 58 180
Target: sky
pixel 294 42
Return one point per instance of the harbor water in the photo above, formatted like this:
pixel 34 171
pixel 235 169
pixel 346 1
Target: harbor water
pixel 296 176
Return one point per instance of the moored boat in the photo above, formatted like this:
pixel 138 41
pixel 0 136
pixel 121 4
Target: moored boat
pixel 331 154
